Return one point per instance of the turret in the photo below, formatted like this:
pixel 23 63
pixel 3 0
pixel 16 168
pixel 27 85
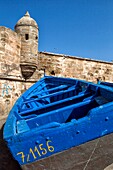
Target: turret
pixel 27 28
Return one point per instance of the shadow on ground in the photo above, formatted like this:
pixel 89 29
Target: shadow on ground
pixel 6 160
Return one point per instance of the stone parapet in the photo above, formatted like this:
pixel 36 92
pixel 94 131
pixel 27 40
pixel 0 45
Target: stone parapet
pixel 77 67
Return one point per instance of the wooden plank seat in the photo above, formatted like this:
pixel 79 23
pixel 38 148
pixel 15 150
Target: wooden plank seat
pixel 43 94
pixel 50 98
pixel 63 114
pixel 45 99
pixel 57 104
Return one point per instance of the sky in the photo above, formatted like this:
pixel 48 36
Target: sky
pixel 82 28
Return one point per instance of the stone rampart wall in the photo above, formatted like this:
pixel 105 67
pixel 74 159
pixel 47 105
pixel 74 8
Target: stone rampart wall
pixel 13 85
pixel 80 68
pixel 10 46
pixel 10 90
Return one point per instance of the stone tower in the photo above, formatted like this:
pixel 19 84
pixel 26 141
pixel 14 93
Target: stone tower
pixel 27 28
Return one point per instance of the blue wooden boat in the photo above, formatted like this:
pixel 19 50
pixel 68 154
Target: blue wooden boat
pixel 107 84
pixel 58 122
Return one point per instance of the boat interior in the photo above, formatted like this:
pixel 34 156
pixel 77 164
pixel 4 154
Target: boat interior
pixel 60 102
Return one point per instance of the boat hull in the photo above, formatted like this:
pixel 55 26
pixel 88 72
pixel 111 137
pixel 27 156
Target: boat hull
pixel 93 155
pixel 49 125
